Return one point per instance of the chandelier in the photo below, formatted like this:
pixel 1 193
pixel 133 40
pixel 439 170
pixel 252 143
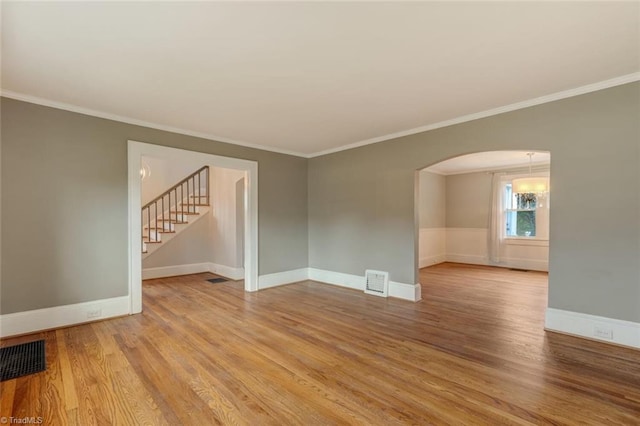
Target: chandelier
pixel 532 184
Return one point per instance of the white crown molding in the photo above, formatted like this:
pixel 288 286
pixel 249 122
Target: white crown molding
pixel 129 120
pixel 617 81
pixel 507 170
pixel 433 172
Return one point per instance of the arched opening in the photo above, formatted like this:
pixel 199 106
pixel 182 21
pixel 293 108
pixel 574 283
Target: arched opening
pixel 476 193
pixel 474 210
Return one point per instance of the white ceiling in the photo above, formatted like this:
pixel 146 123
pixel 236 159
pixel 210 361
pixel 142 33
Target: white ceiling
pixel 308 78
pixel 493 160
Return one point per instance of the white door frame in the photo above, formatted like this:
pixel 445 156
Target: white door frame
pixel 135 152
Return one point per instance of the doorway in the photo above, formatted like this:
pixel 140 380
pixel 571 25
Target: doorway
pixel 249 169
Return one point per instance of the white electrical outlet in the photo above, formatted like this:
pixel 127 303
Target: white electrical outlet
pixel 94 313
pixel 603 332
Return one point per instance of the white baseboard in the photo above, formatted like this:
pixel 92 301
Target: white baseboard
pixel 625 333
pixel 227 271
pixel 337 278
pixel 432 243
pixel 281 278
pixel 412 292
pixel 193 268
pixel 469 245
pixel 174 270
pixel 431 260
pixel 62 316
pixel 529 264
pixel 404 291
pixel 466 258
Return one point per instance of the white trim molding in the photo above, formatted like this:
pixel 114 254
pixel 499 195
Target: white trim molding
pixel 411 292
pixel 517 263
pixel 604 329
pixel 469 245
pixel 174 270
pixel 338 278
pixel 137 122
pixel 282 278
pixel 67 315
pixel 470 259
pixel 227 271
pixel 617 81
pixel 398 290
pixel 193 268
pixel 431 260
pixel 62 316
pixel 432 245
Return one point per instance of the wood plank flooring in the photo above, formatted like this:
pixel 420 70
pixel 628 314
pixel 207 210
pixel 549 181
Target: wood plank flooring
pixel 472 352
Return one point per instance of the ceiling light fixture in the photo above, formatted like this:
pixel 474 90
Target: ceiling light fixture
pixel 531 185
pixel 145 171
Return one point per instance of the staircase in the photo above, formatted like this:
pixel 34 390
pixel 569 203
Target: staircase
pixel 174 210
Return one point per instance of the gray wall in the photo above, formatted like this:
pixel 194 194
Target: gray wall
pixel 64 205
pixel 362 209
pixel 60 168
pixel 468 198
pixel 432 200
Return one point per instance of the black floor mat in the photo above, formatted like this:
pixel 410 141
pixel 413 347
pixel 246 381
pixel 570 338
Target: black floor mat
pixel 21 360
pixel 218 280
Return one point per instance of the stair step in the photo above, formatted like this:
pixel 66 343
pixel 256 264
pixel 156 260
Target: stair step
pixel 197 198
pixel 161 231
pixel 190 206
pixel 147 241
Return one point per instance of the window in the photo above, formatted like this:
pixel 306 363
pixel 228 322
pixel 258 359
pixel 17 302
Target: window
pixel 525 215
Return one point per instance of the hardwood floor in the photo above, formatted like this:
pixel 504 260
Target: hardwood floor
pixel 473 351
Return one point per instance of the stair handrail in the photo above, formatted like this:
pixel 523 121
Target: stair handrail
pixel 178 187
pixel 182 182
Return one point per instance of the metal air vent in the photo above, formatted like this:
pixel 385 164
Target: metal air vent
pixel 377 283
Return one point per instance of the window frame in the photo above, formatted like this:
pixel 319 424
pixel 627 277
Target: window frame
pixel 506 209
